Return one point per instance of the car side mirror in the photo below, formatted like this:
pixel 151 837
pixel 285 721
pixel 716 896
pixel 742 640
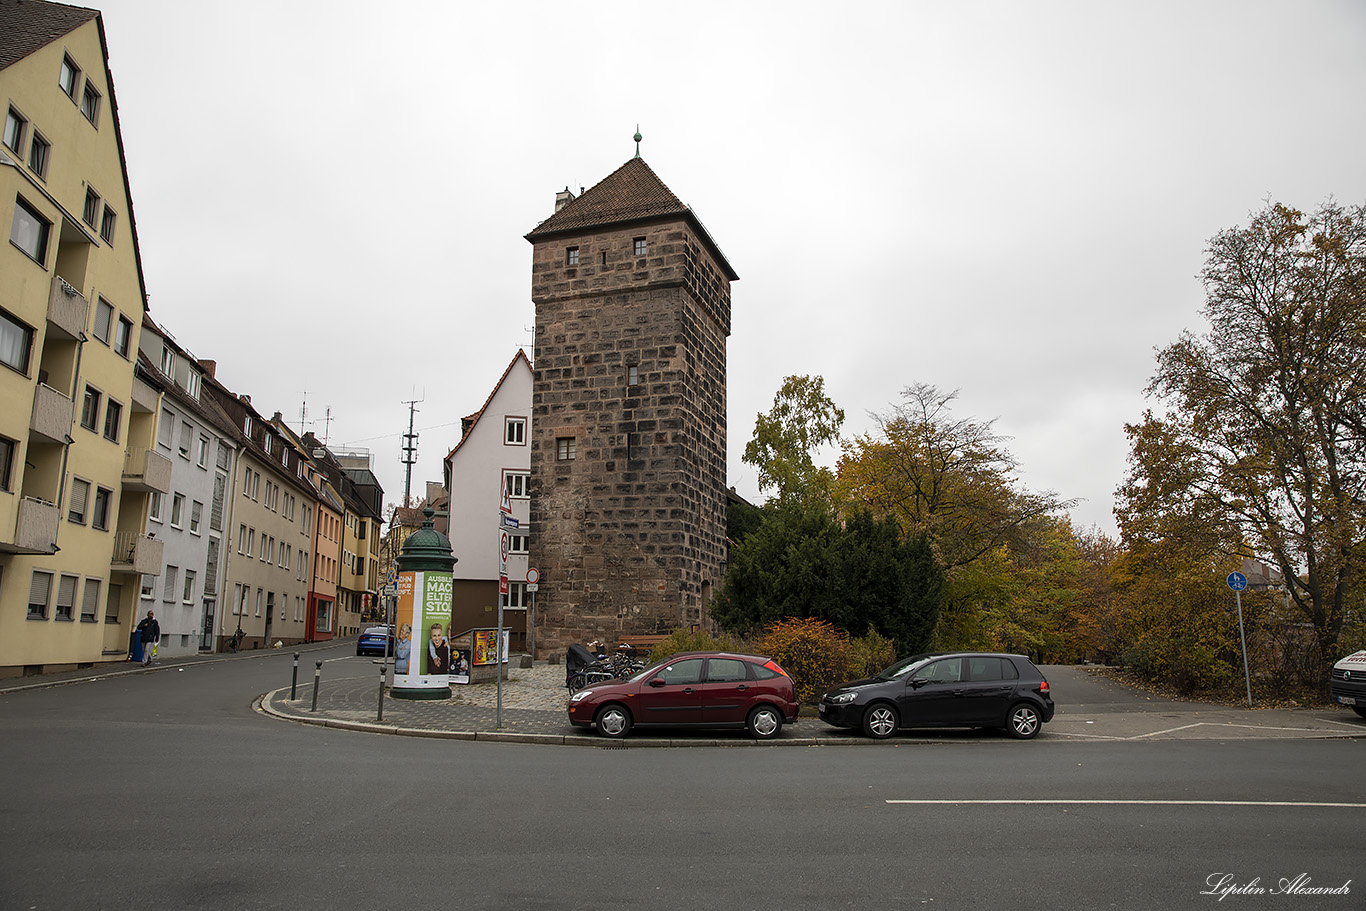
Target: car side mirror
pixel 917 682
pixel 656 682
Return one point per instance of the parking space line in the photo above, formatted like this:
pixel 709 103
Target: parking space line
pixel 1141 803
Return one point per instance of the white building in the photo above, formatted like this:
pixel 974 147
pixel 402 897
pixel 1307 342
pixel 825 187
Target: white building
pixel 493 454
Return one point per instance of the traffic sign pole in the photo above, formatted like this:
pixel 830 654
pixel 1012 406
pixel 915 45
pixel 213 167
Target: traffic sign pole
pixel 1238 582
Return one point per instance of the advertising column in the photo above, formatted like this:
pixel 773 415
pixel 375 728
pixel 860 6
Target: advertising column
pixel 422 655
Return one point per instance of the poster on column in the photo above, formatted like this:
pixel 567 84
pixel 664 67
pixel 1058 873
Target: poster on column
pixel 422 657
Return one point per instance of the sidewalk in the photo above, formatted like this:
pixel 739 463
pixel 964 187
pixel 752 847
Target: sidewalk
pixel 534 701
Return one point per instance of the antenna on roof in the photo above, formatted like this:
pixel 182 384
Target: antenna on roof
pixel 637 139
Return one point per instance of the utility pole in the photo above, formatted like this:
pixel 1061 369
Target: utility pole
pixel 409 453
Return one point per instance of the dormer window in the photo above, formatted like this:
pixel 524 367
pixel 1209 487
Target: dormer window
pixel 167 361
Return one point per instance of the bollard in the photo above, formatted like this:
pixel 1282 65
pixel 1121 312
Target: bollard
pixel 383 669
pixel 317 676
pixel 294 681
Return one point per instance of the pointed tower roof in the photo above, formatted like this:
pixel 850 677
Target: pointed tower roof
pixel 29 25
pixel 631 194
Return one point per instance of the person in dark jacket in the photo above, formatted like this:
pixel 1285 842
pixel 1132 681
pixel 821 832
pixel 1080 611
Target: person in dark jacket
pixel 149 631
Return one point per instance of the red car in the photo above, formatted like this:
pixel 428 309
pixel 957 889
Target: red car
pixel 692 690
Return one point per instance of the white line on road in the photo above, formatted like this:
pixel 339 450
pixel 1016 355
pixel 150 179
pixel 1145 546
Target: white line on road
pixel 1148 803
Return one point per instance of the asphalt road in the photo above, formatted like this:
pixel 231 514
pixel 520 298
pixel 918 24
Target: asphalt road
pixel 166 791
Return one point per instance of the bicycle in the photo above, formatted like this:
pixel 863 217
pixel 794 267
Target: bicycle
pixel 235 642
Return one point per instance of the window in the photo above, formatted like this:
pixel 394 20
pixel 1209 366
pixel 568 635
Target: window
pixel 251 540
pixel 633 375
pixel 638 246
pixel 29 232
pixel 70 76
pixel 66 596
pixel 514 431
pixel 16 341
pixel 91 212
pixel 148 586
pixel 39 151
pixel 90 103
pixel 99 517
pixel 123 337
pixel 166 429
pixel 241 539
pixel 113 419
pixel 188 596
pixel 571 256
pixel 186 435
pixel 167 360
pixel 518 484
pixel 258 602
pixel 203 459
pixel 516 598
pixel 90 604
pixel 39 590
pixel 192 385
pixel 107 223
pixel 77 503
pixel 90 408
pixel 104 320
pixel 111 604
pixel 177 510
pixel 564 449
pixel 15 126
pixel 154 508
pixel 168 588
pixel 517 543
pixel 7 447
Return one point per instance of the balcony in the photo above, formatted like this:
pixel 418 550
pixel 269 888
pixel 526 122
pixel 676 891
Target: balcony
pixel 35 528
pixel 52 413
pixel 66 309
pixel 145 397
pixel 146 471
pixel 135 553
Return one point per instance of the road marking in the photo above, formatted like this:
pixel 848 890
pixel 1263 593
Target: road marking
pixel 1147 803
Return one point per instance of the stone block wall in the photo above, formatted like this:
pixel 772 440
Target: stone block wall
pixel 629 534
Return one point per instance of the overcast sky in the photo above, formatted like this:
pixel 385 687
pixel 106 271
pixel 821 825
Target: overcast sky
pixel 1011 199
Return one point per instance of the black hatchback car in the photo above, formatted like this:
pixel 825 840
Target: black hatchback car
pixel 959 689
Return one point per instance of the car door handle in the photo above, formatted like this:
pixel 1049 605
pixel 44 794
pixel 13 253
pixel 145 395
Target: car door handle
pixel 688 689
pixel 742 687
pixel 959 692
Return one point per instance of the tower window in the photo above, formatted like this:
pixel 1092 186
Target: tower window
pixel 639 243
pixel 632 375
pixel 564 449
pixel 571 256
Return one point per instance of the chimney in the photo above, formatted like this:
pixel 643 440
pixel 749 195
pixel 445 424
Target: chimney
pixel 246 399
pixel 563 198
pixel 209 367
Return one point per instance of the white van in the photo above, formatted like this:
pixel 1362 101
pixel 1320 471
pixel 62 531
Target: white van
pixel 1349 682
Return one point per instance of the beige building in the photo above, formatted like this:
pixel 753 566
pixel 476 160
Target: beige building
pixel 77 460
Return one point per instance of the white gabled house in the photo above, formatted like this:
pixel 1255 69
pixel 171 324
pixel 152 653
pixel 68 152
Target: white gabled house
pixel 494 451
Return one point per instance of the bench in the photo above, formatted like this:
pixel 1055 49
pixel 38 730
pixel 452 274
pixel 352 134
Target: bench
pixel 641 646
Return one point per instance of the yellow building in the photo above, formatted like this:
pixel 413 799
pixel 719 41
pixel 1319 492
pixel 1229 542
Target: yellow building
pixel 75 430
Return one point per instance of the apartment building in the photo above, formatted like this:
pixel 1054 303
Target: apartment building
pixel 191 518
pixel 270 535
pixel 77 465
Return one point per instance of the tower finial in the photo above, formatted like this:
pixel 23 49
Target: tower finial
pixel 637 139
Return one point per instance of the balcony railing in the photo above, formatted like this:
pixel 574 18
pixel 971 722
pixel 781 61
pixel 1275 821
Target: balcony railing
pixel 52 413
pixel 35 527
pixel 67 309
pixel 135 553
pixel 146 471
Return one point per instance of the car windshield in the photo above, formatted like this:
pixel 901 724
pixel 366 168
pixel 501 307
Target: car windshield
pixel 903 667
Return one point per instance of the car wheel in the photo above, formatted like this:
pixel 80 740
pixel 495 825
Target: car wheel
pixel 1023 722
pixel 613 721
pixel 764 723
pixel 880 721
pixel 1360 710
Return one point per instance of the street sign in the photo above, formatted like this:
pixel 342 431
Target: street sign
pixel 506 521
pixel 533 575
pixel 532 587
pixel 1237 581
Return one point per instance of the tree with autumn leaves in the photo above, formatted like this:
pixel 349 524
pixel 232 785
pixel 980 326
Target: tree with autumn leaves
pixel 1255 449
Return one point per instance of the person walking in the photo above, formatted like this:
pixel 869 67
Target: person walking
pixel 149 631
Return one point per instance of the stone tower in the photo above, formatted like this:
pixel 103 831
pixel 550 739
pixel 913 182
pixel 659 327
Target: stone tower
pixel 628 440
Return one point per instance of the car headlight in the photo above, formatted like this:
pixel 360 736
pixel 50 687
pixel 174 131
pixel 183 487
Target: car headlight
pixel 581 694
pixel 841 698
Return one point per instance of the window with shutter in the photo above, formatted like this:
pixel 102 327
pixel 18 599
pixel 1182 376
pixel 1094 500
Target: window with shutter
pixel 39 589
pixel 66 596
pixel 91 602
